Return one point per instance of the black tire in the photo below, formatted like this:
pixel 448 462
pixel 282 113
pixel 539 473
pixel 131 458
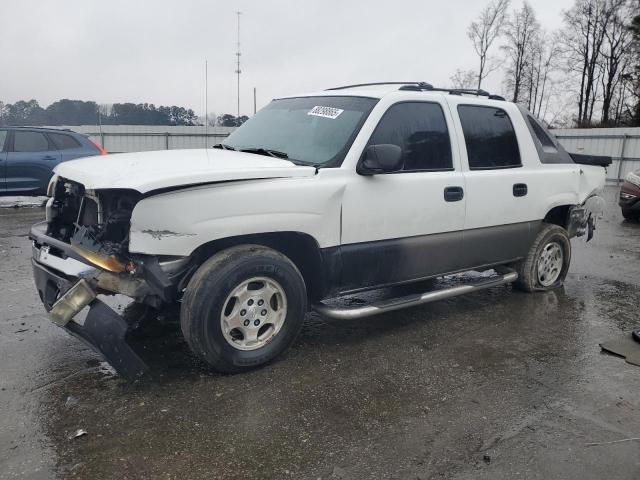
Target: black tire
pixel 527 268
pixel 213 282
pixel 630 216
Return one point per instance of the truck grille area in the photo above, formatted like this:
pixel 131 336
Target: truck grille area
pixel 97 220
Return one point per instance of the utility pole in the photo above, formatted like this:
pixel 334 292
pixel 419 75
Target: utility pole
pixel 254 100
pixel 238 71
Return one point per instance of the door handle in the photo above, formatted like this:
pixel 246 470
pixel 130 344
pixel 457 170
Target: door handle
pixel 520 189
pixel 453 194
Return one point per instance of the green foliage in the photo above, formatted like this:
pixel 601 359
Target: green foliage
pixel 78 112
pixel 228 120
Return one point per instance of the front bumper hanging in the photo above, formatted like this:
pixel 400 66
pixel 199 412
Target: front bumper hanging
pixel 103 329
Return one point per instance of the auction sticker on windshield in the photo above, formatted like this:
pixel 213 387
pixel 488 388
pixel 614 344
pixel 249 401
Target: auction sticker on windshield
pixel 325 112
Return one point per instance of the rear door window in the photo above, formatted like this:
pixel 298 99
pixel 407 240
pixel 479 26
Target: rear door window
pixel 490 138
pixel 3 140
pixel 420 129
pixel 25 141
pixel 63 141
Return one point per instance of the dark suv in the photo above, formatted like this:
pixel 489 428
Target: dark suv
pixel 629 199
pixel 29 154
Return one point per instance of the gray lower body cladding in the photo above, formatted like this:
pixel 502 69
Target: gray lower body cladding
pixel 385 262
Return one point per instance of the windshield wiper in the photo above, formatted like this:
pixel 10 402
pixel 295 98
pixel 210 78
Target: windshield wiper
pixel 265 151
pixel 222 146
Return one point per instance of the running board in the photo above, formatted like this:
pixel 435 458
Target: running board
pixel 339 313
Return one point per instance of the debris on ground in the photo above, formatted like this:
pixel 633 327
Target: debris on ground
pixel 634 439
pixel 625 347
pixel 78 433
pixel 71 401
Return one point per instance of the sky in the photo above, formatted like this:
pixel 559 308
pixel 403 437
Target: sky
pixel 154 51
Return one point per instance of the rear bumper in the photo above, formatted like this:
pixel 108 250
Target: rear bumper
pixel 103 329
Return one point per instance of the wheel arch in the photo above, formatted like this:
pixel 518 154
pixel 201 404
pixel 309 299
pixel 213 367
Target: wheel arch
pixel 558 215
pixel 301 248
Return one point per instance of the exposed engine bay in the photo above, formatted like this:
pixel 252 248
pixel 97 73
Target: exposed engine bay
pixel 94 221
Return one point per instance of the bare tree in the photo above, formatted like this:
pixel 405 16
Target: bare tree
pixel 484 31
pixel 615 51
pixel 585 27
pixel 463 79
pixel 633 75
pixel 521 33
pixel 547 64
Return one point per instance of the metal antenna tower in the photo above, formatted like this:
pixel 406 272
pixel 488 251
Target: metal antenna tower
pixel 238 71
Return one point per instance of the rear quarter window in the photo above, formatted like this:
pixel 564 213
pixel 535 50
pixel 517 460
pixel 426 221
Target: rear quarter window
pixel 490 137
pixel 63 141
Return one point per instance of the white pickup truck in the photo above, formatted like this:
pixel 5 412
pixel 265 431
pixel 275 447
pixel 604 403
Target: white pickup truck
pixel 316 196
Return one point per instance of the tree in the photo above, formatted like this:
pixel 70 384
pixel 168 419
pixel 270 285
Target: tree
pixel 585 28
pixel 613 60
pixel 632 77
pixel 3 113
pixel 25 113
pixel 228 120
pixel 483 32
pixel 463 79
pixel 522 49
pixel 72 112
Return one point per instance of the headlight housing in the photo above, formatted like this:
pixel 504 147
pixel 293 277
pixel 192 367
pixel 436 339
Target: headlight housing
pixel 626 196
pixel 52 185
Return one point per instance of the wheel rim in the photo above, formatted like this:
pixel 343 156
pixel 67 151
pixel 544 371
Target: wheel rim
pixel 253 313
pixel 550 263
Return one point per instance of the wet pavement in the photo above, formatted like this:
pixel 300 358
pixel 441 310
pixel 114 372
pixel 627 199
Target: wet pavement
pixel 498 384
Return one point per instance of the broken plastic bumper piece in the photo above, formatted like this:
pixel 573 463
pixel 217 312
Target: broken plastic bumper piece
pixel 72 302
pixel 103 329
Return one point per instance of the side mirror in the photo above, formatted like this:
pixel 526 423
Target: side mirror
pixel 381 158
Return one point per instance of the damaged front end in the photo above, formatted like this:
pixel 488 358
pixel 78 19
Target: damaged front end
pixel 81 251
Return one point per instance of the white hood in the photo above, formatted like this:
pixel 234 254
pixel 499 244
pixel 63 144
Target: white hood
pixel 146 171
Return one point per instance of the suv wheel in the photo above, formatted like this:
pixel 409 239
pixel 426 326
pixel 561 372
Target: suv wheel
pixel 243 307
pixel 547 262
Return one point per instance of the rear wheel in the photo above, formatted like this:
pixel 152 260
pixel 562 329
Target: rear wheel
pixel 547 262
pixel 243 307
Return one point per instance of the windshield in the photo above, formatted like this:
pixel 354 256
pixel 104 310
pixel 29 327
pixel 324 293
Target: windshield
pixel 310 130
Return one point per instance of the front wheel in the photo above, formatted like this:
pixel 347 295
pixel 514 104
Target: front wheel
pixel 547 262
pixel 243 307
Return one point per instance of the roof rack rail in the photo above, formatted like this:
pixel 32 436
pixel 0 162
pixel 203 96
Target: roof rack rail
pixel 454 91
pixel 41 127
pixel 425 86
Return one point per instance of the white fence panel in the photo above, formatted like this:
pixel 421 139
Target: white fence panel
pixel 621 144
pixel 141 138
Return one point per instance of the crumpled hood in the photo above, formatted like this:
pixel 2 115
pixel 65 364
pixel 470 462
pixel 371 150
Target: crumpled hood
pixel 147 171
